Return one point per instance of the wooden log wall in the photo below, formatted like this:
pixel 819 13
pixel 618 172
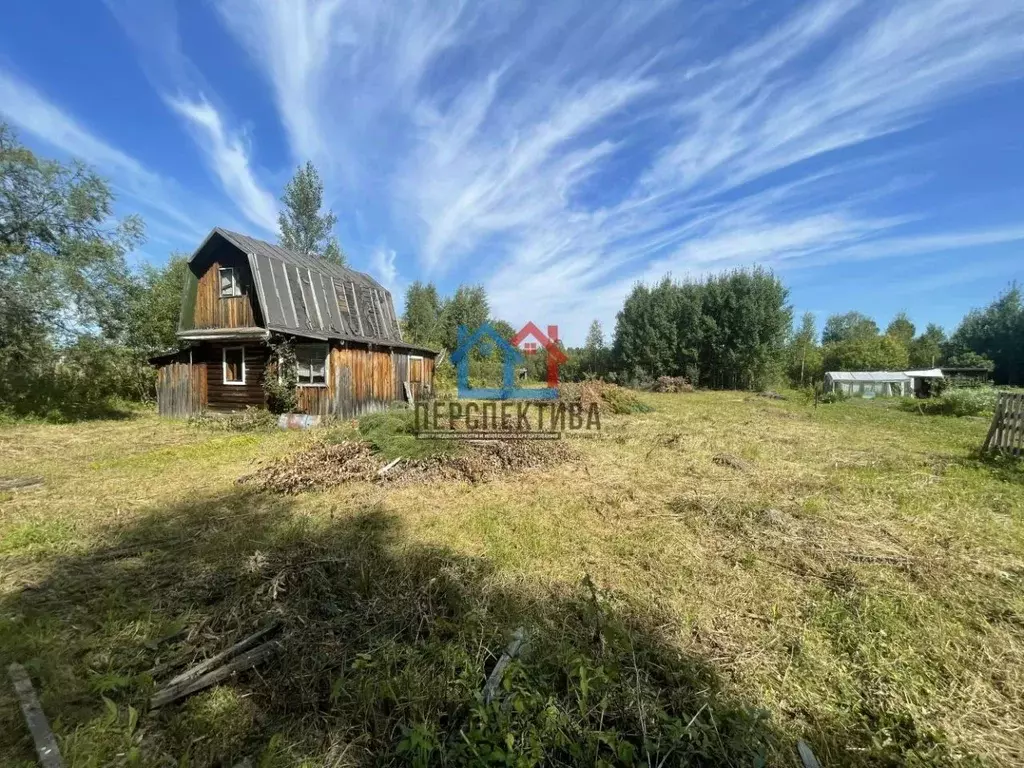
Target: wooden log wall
pixel 222 396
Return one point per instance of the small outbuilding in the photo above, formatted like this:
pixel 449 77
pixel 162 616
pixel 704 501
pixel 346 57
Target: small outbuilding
pixel 869 383
pixel 923 382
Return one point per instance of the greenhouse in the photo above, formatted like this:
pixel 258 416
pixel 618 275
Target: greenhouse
pixel 868 383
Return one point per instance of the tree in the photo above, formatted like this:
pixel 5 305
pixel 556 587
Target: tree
pixel 996 333
pixel 303 227
pixel 849 326
pixel 593 358
pixel 926 349
pixel 467 307
pixel 804 354
pixel 422 313
pixel 63 281
pixel 901 329
pixel 880 352
pixel 153 305
pixel 728 331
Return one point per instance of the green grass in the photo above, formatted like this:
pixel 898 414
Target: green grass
pixel 856 582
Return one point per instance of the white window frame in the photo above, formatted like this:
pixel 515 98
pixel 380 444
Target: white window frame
pixel 224 367
pixel 327 365
pixel 236 285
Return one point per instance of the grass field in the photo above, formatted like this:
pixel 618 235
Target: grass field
pixel 712 581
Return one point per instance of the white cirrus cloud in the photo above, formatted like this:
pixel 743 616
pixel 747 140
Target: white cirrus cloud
pixel 31 112
pixel 228 157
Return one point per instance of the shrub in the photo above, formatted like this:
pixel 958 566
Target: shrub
pixel 281 379
pixel 835 396
pixel 959 401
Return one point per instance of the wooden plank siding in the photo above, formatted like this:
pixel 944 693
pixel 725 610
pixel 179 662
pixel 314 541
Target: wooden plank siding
pixel 181 389
pixel 361 380
pixel 212 311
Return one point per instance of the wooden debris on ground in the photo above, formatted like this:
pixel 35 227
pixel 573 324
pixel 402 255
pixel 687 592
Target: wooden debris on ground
pixel 241 656
pixel 728 460
pixel 19 483
pixel 391 465
pixel 327 466
pixel 806 755
pixel 35 718
pixel 513 649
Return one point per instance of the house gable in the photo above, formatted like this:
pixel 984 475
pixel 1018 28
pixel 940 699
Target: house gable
pixel 203 305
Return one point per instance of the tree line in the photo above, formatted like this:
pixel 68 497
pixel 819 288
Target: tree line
pixel 736 330
pixel 77 324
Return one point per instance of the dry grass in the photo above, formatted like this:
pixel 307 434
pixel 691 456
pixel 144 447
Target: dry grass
pixel 852 570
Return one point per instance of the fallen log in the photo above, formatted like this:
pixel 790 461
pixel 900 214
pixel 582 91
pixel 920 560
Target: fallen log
pixel 192 685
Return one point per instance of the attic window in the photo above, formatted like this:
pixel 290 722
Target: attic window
pixel 311 364
pixel 229 283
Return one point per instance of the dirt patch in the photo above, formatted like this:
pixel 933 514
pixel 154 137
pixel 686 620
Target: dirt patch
pixel 325 466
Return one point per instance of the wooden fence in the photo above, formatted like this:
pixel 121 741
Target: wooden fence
pixel 180 389
pixel 1006 435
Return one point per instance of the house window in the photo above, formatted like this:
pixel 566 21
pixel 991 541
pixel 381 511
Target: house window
pixel 234 365
pixel 229 283
pixel 311 364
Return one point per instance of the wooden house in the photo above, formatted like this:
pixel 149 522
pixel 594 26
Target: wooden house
pixel 242 295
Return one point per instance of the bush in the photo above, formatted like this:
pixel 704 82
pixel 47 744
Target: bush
pixel 281 379
pixel 959 401
pixel 835 396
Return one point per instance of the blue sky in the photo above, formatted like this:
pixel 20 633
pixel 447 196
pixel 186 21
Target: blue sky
pixel 872 153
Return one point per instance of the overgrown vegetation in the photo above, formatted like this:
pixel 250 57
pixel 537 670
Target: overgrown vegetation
pixel 281 377
pixel 958 401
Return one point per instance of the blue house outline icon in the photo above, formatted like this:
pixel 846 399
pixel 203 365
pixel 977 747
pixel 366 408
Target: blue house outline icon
pixel 486 334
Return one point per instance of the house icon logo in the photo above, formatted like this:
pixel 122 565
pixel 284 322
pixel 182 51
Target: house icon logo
pixel 488 341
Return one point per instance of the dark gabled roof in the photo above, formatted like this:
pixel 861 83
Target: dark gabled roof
pixel 306 296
